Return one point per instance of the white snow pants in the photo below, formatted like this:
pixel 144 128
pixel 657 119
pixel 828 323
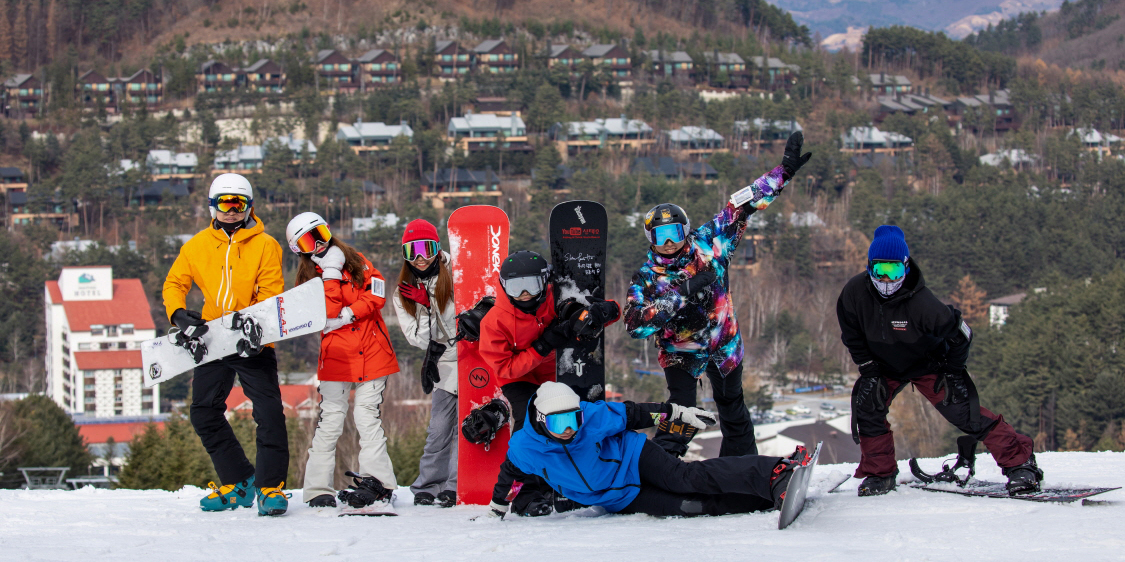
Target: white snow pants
pixel 373 457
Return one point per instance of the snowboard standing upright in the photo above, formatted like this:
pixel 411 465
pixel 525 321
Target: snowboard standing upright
pixel 297 312
pixel 579 234
pixel 478 241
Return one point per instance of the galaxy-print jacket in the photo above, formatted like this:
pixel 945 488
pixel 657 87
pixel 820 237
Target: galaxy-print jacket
pixel 694 331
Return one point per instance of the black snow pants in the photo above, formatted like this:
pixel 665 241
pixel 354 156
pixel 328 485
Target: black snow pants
pixel 734 417
pixel 210 387
pixel 670 486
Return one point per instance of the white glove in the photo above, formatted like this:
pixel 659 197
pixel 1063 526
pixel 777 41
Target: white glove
pixel 496 510
pixel 346 317
pixel 694 417
pixel 331 264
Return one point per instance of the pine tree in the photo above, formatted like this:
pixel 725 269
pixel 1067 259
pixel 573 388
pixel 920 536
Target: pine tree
pixel 970 299
pixel 167 459
pixel 52 439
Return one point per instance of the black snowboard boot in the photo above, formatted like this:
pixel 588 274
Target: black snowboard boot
pixel 448 498
pixel 1024 478
pixel 783 473
pixel 564 504
pixel 323 500
pixel 878 485
pixel 423 498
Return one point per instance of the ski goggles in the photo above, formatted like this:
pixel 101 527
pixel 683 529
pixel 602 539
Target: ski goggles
pixel 231 203
pixel 424 249
pixel 674 232
pixel 559 422
pixel 515 286
pixel 307 242
pixel 892 270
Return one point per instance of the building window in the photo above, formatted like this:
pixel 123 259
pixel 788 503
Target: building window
pixel 97 330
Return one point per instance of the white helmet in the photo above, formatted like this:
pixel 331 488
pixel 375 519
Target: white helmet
pixel 310 224
pixel 229 184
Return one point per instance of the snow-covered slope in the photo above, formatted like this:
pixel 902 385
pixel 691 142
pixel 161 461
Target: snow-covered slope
pixel 908 524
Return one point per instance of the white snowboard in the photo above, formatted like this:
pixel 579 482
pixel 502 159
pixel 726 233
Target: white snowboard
pixel 297 312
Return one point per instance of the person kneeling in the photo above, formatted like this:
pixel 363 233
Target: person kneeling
pixel 589 453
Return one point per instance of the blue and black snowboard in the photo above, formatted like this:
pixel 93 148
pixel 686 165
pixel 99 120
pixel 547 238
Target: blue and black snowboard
pixel 579 236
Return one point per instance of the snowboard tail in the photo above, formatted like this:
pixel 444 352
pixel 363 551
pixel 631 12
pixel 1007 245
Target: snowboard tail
pixel 297 312
pixel 798 488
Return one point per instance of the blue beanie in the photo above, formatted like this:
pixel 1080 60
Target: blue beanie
pixel 889 243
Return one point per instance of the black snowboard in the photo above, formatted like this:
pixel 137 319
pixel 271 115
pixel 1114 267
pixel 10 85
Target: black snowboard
pixel 795 493
pixel 579 234
pixel 997 490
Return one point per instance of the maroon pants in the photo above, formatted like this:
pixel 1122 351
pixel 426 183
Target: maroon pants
pixel 877 441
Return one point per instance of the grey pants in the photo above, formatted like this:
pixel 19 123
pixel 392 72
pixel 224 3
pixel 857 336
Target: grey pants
pixel 437 471
pixel 373 457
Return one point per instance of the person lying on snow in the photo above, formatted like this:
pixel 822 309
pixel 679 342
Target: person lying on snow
pixel 590 453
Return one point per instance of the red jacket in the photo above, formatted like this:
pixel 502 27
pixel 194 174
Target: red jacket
pixel 506 334
pixel 360 351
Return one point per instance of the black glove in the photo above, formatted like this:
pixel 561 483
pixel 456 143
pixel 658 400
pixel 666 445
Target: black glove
pixel 190 322
pixel 429 366
pixel 697 283
pixel 793 159
pixel 870 394
pixel 556 335
pixel 590 322
pixel 953 380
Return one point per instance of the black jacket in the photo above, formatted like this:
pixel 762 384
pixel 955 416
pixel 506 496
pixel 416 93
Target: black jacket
pixel 909 334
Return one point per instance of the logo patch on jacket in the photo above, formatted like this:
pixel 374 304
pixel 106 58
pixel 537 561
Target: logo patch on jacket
pixel 899 325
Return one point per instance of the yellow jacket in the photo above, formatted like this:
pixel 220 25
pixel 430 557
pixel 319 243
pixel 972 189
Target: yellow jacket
pixel 233 272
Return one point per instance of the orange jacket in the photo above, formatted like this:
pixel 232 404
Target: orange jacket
pixel 506 334
pixel 360 351
pixel 233 272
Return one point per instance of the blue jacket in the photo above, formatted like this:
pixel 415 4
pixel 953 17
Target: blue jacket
pixel 598 467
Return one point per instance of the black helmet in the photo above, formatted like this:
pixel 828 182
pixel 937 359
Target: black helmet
pixel 662 214
pixel 525 271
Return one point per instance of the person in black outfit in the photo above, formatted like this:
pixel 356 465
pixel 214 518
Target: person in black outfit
pixel 899 333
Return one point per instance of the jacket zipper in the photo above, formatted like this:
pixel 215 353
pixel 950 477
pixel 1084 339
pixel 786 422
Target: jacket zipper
pixel 572 463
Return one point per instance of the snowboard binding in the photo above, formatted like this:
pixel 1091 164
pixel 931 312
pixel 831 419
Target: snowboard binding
pixel 966 458
pixel 482 424
pixel 251 342
pixel 677 428
pixel 364 491
pixel 194 345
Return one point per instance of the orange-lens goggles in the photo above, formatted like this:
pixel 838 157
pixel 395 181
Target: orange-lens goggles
pixel 232 204
pixel 306 243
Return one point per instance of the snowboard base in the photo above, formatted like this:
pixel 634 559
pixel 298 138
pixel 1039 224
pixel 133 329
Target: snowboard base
pixel 372 510
pixel 987 489
pixel 795 493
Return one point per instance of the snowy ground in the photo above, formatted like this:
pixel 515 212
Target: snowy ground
pixel 908 524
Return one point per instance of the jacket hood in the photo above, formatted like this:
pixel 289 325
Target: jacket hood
pixel 539 431
pixel 253 227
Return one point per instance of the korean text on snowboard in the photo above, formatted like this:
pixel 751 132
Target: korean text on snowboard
pixel 297 312
pixel 478 240
pixel 579 233
pixel 795 493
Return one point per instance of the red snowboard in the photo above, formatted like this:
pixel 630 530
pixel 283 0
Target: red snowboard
pixel 478 240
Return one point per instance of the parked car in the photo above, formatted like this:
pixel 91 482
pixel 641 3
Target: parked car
pixel 826 406
pixel 801 409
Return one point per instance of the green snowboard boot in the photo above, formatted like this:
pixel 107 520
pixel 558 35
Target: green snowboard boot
pixel 229 496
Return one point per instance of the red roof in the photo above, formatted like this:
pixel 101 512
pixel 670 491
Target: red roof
pixel 292 395
pixel 121 432
pixel 129 305
pixel 116 359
